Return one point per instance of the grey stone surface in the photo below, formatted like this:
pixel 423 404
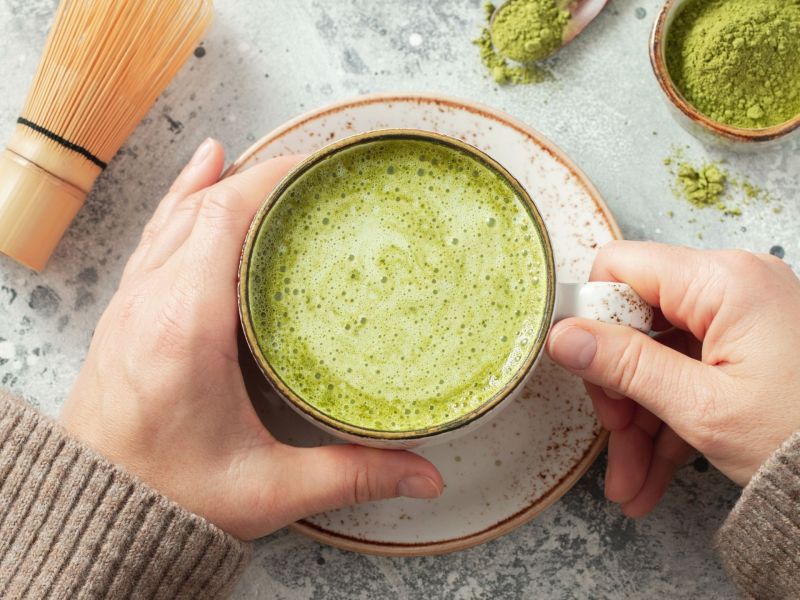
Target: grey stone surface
pixel 266 61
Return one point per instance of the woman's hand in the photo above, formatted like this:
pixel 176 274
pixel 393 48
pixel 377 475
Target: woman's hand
pixel 726 381
pixel 161 393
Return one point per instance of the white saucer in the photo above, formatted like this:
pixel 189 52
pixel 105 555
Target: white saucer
pixel 512 469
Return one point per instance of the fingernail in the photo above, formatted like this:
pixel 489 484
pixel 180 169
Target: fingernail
pixel 202 152
pixel 612 394
pixel 573 348
pixel 418 486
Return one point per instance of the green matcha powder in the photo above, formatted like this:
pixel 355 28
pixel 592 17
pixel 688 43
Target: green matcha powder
pixel 705 186
pixel 524 31
pixel 710 185
pixel 738 61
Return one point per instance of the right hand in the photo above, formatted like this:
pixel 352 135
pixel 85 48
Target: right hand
pixel 725 382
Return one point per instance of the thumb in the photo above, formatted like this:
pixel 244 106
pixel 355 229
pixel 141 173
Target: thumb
pixel 665 382
pixel 329 477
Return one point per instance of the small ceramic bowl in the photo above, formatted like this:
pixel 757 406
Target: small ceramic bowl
pixel 699 125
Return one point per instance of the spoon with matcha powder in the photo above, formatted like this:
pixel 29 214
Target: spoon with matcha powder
pixel 527 31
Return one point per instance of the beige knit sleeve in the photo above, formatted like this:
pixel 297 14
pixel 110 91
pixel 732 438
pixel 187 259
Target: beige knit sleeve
pixel 72 525
pixel 759 543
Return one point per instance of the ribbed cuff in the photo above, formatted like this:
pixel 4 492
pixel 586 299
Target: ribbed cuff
pixel 759 543
pixel 73 525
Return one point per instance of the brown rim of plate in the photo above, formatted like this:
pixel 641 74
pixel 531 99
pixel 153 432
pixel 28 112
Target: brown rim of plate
pixel 271 201
pixel 540 504
pixel 657 61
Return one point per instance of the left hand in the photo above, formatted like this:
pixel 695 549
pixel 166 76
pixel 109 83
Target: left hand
pixel 161 393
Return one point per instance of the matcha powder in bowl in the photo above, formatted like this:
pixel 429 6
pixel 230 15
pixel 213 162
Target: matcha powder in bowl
pixel 738 61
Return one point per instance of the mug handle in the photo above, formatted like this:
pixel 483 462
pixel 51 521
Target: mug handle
pixel 615 303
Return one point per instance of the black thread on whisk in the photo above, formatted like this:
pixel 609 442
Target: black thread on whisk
pixel 64 142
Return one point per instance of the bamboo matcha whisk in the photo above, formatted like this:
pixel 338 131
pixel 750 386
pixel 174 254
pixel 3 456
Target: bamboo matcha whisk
pixel 105 63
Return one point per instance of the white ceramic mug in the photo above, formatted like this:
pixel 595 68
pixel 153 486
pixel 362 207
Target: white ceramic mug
pixel 615 303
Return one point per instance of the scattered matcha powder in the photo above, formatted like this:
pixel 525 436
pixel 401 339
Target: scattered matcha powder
pixel 704 187
pixel 524 31
pixel 710 186
pixel 737 61
pixel 750 190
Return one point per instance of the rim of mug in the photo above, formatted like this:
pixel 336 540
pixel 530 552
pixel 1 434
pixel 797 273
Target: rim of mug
pixel 658 62
pixel 295 399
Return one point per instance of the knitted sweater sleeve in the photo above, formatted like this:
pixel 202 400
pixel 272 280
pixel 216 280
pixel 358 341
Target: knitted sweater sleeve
pixel 73 525
pixel 759 543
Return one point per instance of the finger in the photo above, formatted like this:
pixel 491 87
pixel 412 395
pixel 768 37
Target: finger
pixel 681 341
pixel 203 170
pixel 669 454
pixel 774 263
pixel 688 284
pixel 615 411
pixel 629 453
pixel 628 362
pixel 226 210
pixel 769 259
pixel 660 322
pixel 647 421
pixel 320 479
pixel 182 205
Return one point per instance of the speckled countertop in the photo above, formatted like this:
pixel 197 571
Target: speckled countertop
pixel 266 61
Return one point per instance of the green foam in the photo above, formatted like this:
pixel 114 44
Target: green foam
pixel 398 284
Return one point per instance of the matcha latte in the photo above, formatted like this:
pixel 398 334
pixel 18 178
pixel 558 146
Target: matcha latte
pixel 397 284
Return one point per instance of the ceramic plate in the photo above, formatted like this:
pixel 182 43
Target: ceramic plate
pixel 513 468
